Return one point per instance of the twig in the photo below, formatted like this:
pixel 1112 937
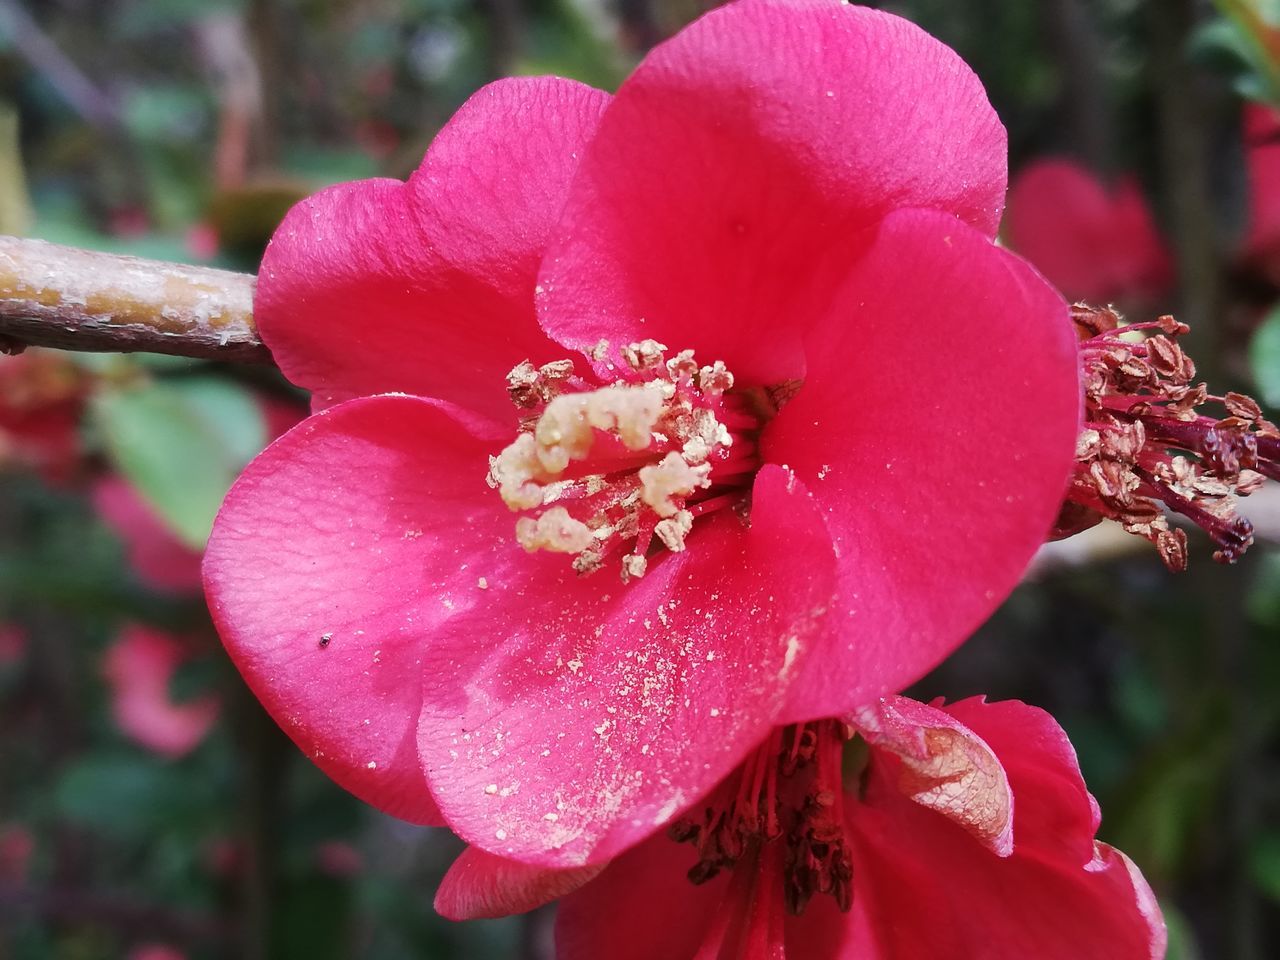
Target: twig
pixel 55 296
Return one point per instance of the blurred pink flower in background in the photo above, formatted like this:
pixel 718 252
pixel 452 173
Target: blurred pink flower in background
pixel 1260 247
pixel 338 858
pixel 1096 244
pixel 13 644
pixel 139 666
pixel 17 844
pixel 156 951
pixel 155 555
pixel 41 399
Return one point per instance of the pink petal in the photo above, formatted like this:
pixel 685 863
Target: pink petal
pixel 426 287
pixel 155 555
pixel 942 765
pixel 325 575
pixel 1091 243
pixel 740 153
pixel 936 430
pixel 642 907
pixel 1057 817
pixel 139 666
pixel 481 885
pixel 1262 158
pixel 156 951
pixel 567 718
pixel 13 644
pixel 926 890
pixel 17 844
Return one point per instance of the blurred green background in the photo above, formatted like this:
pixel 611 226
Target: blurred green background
pixel 183 129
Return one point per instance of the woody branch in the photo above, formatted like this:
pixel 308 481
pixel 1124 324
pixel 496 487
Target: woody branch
pixel 56 296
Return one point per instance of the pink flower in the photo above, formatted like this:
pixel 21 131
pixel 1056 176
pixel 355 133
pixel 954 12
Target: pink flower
pixel 1094 244
pixel 849 471
pixel 158 558
pixel 17 845
pixel 1261 244
pixel 156 951
pixel 338 858
pixel 41 395
pixel 139 667
pixel 954 832
pixel 13 644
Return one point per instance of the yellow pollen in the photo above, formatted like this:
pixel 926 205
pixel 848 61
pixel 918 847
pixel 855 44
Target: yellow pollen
pixel 564 430
pixel 674 529
pixel 671 477
pixel 554 530
pixel 613 499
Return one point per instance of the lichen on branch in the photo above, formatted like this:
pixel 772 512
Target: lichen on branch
pixel 56 296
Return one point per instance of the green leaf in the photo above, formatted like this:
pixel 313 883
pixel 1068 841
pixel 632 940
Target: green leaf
pixel 121 795
pixel 1264 864
pixel 1264 359
pixel 181 444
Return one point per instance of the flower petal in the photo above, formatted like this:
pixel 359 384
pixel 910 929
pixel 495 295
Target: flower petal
pixel 926 890
pixel 325 574
pixel 942 765
pixel 480 885
pixel 738 154
pixel 567 717
pixel 427 287
pixel 1057 816
pixel 642 907
pixel 936 429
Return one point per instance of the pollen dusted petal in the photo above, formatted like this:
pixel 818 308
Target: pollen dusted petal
pixel 936 428
pixel 741 152
pixel 336 558
pixel 427 287
pixel 595 710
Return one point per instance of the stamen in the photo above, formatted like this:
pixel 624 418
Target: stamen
pixel 631 460
pixel 1146 442
pixel 789 790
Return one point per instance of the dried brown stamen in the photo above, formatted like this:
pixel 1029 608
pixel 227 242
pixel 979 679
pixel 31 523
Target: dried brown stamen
pixel 1147 441
pixel 790 791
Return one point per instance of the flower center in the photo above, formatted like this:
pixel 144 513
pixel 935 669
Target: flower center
pixel 790 790
pixel 625 468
